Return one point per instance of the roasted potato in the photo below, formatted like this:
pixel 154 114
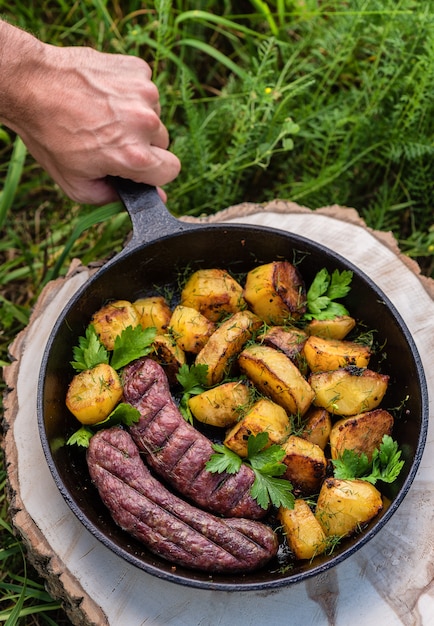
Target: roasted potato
pixel 344 506
pixel 263 416
pixel 214 293
pixel 225 343
pixel 317 427
pixel 336 328
pixel 169 355
pixel 330 354
pixel 276 292
pixel 93 394
pixel 304 534
pixel 306 465
pixel 362 433
pixel 289 340
pixel 112 319
pixel 190 329
pixel 222 405
pixel 276 376
pixel 153 311
pixel 348 391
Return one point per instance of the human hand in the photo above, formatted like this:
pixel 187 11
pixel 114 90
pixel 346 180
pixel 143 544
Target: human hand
pixel 86 115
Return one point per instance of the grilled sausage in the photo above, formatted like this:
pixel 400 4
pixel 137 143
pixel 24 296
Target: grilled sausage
pixel 177 451
pixel 167 525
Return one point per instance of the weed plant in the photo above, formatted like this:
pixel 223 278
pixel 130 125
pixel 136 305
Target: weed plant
pixel 319 102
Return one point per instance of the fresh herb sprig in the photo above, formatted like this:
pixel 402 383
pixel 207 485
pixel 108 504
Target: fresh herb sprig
pixel 386 463
pixel 323 292
pixel 131 344
pixel 122 414
pixel 89 352
pixel 266 464
pixel 193 381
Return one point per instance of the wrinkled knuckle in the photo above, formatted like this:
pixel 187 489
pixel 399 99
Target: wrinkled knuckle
pixel 151 91
pixel 138 158
pixel 141 65
pixel 151 122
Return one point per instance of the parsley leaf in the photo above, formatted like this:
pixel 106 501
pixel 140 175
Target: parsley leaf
pixel 339 284
pixel 81 437
pixel 385 465
pixel 267 489
pixel 386 461
pixel 351 465
pixel 193 378
pixel 131 344
pixel 256 443
pixel 193 381
pixel 224 461
pixel 265 460
pixel 266 465
pixel 123 413
pixel 89 352
pixel 324 290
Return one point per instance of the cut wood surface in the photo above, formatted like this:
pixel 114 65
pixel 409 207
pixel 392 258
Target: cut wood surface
pixel 390 580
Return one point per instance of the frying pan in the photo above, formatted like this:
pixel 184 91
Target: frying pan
pixel 162 249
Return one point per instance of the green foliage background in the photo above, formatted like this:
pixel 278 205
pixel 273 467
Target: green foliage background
pixel 315 101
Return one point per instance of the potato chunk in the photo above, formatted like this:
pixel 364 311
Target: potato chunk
pixel 329 354
pixel 304 534
pixel 306 465
pixel 214 293
pixel 317 427
pixel 263 416
pixel 112 319
pixel 225 343
pixel 154 312
pixel 289 340
pixel 169 355
pixel 221 405
pixel 93 394
pixel 345 505
pixel 336 328
pixel 362 433
pixel 348 391
pixel 276 292
pixel 190 329
pixel 276 376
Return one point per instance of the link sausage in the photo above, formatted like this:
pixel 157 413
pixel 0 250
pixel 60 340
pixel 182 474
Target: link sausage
pixel 177 451
pixel 167 525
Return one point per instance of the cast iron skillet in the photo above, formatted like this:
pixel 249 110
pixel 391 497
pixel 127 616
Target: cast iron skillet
pixel 160 251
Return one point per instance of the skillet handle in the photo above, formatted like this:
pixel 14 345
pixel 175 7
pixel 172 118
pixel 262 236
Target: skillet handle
pixel 149 215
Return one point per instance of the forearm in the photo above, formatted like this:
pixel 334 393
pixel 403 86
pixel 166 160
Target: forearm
pixel 21 56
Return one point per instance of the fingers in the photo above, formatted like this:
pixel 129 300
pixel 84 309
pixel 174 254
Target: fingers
pixel 151 130
pixel 161 168
pixel 134 77
pixel 151 96
pixel 100 192
pixel 151 165
pixel 162 194
pixel 97 192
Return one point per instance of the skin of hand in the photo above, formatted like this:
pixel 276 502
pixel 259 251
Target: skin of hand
pixel 84 115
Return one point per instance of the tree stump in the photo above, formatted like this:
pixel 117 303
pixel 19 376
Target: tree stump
pixel 390 579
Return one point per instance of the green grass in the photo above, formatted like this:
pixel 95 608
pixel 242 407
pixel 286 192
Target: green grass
pixel 317 102
pixel 23 597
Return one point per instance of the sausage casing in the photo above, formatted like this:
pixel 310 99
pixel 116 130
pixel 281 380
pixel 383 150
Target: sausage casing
pixel 166 524
pixel 177 451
